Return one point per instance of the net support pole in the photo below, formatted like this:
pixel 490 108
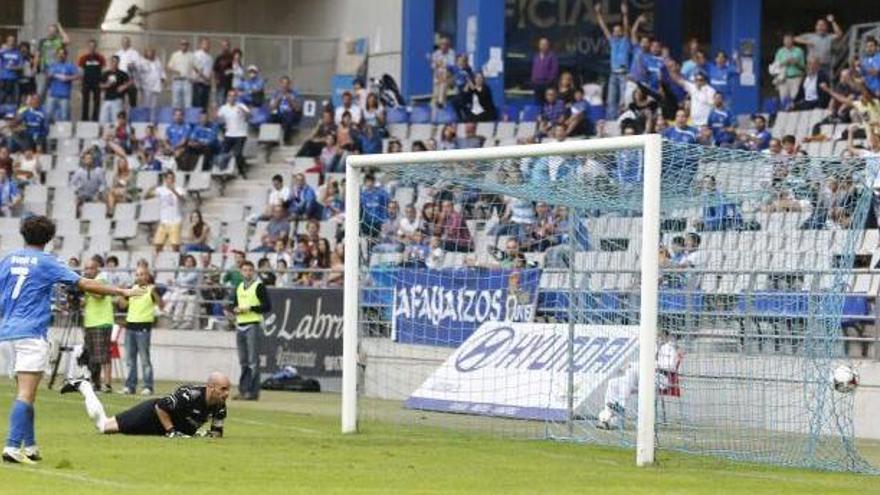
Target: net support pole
pixel 649 299
pixel 351 299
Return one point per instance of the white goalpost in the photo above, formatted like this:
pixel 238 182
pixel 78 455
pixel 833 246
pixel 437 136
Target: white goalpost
pixel 424 164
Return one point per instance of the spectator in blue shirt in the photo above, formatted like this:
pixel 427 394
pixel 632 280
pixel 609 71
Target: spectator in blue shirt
pixel 286 106
pixel 60 75
pixel 303 202
pixel 869 66
pixel 722 122
pixel 11 62
pixel 649 70
pixel 374 207
pixel 463 77
pixel 35 125
pixel 721 74
pixel 620 47
pixel 252 89
pixel 10 197
pixel 177 133
pixel 203 141
pixel 758 139
pixel 681 132
pixel 697 64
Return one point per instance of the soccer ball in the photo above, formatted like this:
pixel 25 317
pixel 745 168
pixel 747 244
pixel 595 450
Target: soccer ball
pixel 604 420
pixel 845 379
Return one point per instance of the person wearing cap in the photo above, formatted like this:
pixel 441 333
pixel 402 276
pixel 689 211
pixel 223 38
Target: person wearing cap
pixel 181 68
pixel 252 89
pixel 702 95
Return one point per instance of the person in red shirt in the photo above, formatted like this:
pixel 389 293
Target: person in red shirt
pixel 454 232
pixel 92 65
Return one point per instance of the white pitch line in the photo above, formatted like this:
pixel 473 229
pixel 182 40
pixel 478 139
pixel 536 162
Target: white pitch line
pixel 274 425
pixel 70 476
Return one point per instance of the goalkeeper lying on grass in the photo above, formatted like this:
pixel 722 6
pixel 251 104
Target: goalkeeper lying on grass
pixel 179 414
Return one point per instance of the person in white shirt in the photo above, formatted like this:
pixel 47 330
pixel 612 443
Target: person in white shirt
pixel 129 60
pixel 181 66
pixel 152 76
pixel 203 72
pixel 702 96
pixel 348 106
pixel 409 224
pixel 441 60
pixel 235 117
pixel 279 195
pixel 171 199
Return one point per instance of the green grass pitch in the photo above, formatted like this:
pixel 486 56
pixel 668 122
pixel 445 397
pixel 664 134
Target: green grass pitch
pixel 290 443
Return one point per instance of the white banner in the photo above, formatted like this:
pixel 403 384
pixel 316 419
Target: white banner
pixel 521 370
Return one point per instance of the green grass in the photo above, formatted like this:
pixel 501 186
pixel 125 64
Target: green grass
pixel 290 443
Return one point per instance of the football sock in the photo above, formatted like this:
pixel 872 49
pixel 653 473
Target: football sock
pixel 17 422
pixel 94 408
pixel 29 431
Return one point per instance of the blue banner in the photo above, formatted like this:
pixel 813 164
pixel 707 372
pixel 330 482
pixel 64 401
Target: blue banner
pixel 444 307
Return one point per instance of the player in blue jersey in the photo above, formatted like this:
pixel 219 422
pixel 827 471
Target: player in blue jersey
pixel 27 278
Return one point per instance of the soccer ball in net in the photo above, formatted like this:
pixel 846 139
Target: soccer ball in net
pixel 845 379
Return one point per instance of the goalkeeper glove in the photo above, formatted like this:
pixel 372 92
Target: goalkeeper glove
pixel 176 434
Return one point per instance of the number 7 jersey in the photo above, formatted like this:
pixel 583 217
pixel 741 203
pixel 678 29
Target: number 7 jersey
pixel 27 277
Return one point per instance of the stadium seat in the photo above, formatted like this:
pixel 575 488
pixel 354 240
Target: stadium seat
pixel 140 129
pixel 270 134
pixel 165 115
pixel 236 234
pixel 61 130
pixel 68 147
pixel 146 180
pixel 530 113
pixel 398 130
pixel 149 211
pixel 124 230
pixel 446 115
pixel 505 130
pixel 396 115
pixel 258 116
pixel 420 115
pixel 99 227
pixel 526 129
pixel 486 129
pixel 510 114
pixel 167 260
pixel 100 244
pixel 88 130
pixel 191 115
pixel 421 132
pixel 94 211
pixel 199 182
pixel 139 115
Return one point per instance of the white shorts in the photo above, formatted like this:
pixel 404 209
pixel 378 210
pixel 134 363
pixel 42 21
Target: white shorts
pixel 31 355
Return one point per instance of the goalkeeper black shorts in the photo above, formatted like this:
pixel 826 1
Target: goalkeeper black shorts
pixel 140 420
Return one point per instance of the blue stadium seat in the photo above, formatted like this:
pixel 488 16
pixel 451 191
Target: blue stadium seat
pixel 191 115
pixel 259 115
pixel 139 114
pixel 420 115
pixel 446 116
pixel 397 115
pixel 165 115
pixel 596 113
pixel 530 113
pixel 509 113
pixel 8 109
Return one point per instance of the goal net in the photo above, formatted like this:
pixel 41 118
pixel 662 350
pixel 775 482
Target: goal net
pixel 616 291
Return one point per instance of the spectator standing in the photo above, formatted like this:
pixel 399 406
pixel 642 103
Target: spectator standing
pixel 27 82
pixel 374 207
pixel 620 49
pixel 6 162
pixel 182 68
pixel 813 92
pixel 702 96
pixel 819 42
pixel 237 70
pixel 553 112
pixel 152 75
pixel 129 61
pixel 286 106
pixel 479 95
pixel 442 60
pixel 454 232
pixel 234 116
pixel 35 125
pixel 545 70
pixel 171 198
pixel 180 298
pixel 681 132
pixel 721 74
pixel 722 122
pixel 789 71
pixel 176 135
pixel 98 320
pixel 60 76
pixel 463 79
pixel 89 180
pixel 869 66
pixel 92 66
pixel 47 49
pixel 10 196
pixel 250 302
pixel 139 319
pixel 11 62
pixel 203 70
pixel 223 72
pixel 349 106
pixel 115 83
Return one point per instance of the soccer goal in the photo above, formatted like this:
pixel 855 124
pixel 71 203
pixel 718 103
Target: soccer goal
pixel 623 291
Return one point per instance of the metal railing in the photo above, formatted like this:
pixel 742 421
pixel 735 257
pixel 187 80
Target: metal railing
pixel 852 43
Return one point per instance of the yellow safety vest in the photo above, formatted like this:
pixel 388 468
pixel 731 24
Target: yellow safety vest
pixel 141 309
pixel 247 298
pixel 98 310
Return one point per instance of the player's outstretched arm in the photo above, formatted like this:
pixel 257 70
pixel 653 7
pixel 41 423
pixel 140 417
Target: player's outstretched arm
pixel 95 287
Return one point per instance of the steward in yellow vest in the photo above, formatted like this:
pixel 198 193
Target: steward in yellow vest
pixel 98 324
pixel 138 329
pixel 249 303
